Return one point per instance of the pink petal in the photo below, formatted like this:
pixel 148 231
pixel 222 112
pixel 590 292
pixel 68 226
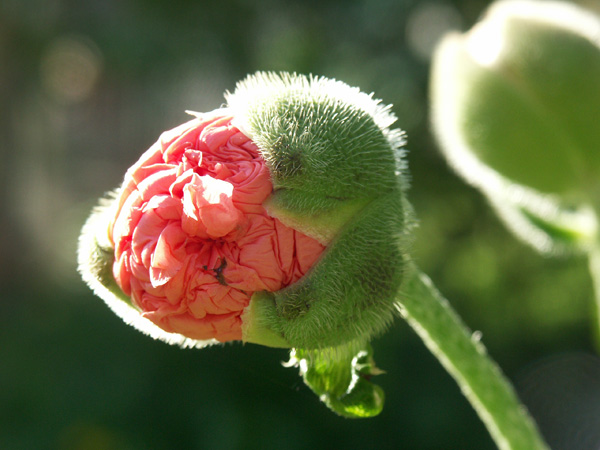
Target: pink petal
pixel 192 239
pixel 168 255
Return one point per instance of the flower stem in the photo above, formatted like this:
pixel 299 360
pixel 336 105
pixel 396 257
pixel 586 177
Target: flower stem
pixel 594 267
pixel 466 359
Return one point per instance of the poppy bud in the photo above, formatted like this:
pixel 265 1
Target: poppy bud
pixel 279 219
pixel 515 105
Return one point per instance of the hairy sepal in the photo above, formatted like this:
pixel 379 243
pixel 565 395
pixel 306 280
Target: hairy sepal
pixel 324 142
pixel 349 293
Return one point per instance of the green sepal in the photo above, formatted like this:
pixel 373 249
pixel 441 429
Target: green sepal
pixel 328 146
pixel 257 320
pixel 341 377
pixel 96 253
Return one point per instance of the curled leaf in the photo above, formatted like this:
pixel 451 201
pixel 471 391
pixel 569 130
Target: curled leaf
pixel 341 377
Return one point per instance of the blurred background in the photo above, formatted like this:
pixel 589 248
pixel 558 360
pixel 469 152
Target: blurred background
pixel 86 86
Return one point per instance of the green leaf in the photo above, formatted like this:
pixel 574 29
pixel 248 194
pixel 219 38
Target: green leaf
pixel 341 377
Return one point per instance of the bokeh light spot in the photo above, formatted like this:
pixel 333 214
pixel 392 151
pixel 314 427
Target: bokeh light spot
pixel 70 69
pixel 427 24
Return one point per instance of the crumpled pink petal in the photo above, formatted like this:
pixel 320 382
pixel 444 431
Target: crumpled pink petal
pixel 208 209
pixel 192 240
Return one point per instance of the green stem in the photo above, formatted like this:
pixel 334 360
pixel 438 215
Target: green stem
pixel 466 359
pixel 594 265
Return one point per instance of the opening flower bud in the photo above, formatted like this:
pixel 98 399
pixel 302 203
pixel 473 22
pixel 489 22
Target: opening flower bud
pixel 277 220
pixel 191 238
pixel 515 104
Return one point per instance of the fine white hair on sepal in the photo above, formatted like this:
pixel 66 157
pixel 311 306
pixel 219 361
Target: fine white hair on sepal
pixel 94 258
pixel 262 86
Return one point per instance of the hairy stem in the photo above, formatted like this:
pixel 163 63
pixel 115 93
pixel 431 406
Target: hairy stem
pixel 465 358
